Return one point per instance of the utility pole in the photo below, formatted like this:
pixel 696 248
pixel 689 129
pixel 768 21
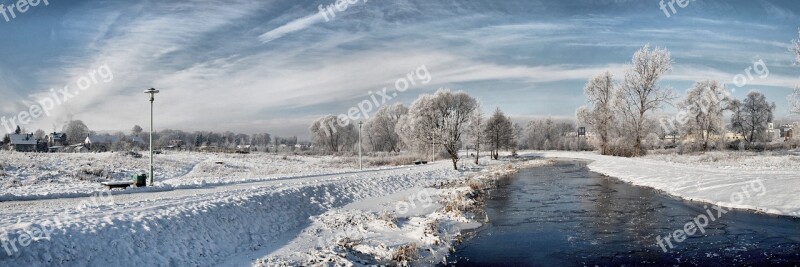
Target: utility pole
pixel 360 161
pixel 152 92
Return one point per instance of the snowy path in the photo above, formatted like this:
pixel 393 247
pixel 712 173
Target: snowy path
pixel 769 191
pixel 190 226
pixel 13 211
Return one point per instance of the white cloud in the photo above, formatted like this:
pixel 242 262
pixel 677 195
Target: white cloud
pixel 293 26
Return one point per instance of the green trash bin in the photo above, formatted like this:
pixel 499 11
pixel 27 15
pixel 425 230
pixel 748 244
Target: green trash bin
pixel 140 180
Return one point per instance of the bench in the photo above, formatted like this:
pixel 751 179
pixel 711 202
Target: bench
pixel 139 180
pixel 120 184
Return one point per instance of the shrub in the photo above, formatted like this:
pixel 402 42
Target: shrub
pixel 405 254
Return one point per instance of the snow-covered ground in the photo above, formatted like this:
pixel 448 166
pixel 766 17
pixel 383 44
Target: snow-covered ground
pixel 191 226
pixel 27 176
pixel 766 182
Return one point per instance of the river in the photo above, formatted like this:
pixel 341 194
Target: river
pixel 566 215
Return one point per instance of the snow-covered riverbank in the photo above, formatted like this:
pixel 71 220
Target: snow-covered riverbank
pixel 416 227
pixel 726 181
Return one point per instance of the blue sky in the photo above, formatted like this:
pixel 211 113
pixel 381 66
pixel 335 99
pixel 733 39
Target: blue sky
pixel 274 66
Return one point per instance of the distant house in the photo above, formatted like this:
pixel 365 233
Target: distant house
pixel 22 142
pixel 206 148
pixel 243 149
pixel 732 137
pixel 787 132
pixel 136 140
pixel 176 144
pixel 100 142
pixel 57 139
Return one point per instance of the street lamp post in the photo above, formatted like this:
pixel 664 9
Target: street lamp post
pixel 152 92
pixel 360 161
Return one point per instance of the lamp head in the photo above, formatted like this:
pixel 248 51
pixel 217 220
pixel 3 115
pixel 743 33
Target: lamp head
pixel 152 92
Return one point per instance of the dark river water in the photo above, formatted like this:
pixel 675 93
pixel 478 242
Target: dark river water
pixel 565 215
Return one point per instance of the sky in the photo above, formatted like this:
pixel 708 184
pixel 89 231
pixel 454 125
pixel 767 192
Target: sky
pixel 275 66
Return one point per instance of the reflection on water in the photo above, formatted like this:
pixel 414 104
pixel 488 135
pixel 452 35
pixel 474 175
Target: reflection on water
pixel 566 215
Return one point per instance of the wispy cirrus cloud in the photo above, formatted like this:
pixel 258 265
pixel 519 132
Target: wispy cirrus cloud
pixel 293 26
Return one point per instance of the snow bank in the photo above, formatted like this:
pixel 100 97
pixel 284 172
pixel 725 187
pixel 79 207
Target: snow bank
pixel 415 227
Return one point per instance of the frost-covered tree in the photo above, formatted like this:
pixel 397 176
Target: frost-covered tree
pixel 476 132
pixel 705 104
pixel 531 134
pixel 752 117
pixel 519 134
pixel 737 116
pixel 39 134
pixel 136 130
pixel 441 119
pixel 261 140
pixel 499 133
pixel 796 48
pixel 329 135
pixel 599 113
pixel 794 100
pixel 381 129
pixel 76 131
pixel 640 92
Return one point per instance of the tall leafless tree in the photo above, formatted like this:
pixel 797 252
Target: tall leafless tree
pixel 755 113
pixel 330 135
pixel 599 112
pixel 499 133
pixel 476 132
pixel 640 92
pixel 705 104
pixel 441 118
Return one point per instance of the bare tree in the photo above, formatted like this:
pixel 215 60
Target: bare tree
pixel 737 116
pixel 476 132
pixel 440 119
pixel 754 115
pixel 136 130
pixel 76 131
pixel 499 133
pixel 381 129
pixel 794 100
pixel 640 92
pixel 705 104
pixel 599 112
pixel 330 135
pixel 532 136
pixel 796 49
pixel 39 134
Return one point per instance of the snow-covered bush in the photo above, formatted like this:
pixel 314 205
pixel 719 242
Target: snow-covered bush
pixel 622 147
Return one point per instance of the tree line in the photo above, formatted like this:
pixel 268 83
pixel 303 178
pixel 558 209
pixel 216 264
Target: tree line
pixel 76 132
pixel 620 112
pixel 445 122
